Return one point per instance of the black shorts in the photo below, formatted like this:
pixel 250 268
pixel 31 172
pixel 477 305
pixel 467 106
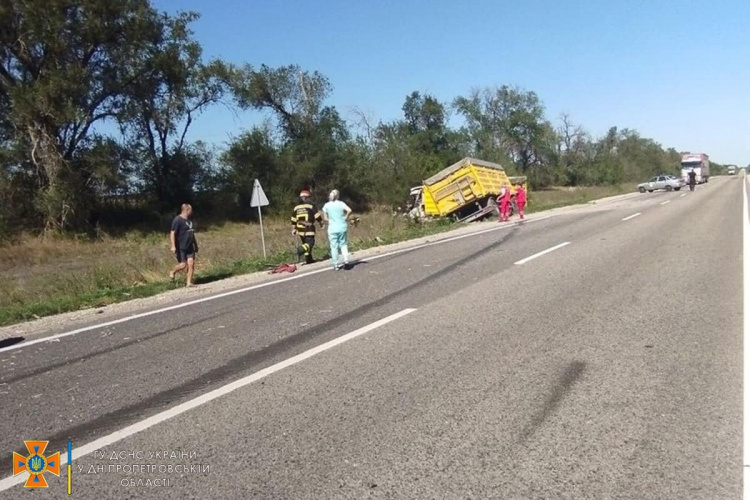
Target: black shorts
pixel 183 255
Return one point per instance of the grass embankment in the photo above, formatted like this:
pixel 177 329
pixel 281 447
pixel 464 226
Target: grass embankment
pixel 45 277
pixel 561 197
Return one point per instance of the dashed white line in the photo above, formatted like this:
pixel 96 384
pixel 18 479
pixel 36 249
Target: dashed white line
pixel 543 252
pixel 130 430
pixel 683 195
pixel 665 202
pixel 632 216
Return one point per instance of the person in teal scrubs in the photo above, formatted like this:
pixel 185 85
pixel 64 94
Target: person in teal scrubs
pixel 336 215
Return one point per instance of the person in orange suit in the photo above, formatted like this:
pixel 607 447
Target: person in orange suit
pixel 504 204
pixel 520 199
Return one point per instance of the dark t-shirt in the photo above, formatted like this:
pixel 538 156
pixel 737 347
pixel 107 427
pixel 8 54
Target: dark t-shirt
pixel 183 234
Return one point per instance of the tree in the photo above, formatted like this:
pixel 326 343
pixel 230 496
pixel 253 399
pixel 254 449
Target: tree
pixel 426 122
pixel 573 151
pixel 174 88
pixel 314 137
pixel 409 150
pixel 509 123
pixel 253 155
pixel 295 96
pixel 64 67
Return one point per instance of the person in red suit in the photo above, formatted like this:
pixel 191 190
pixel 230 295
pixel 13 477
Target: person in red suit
pixel 520 199
pixel 504 203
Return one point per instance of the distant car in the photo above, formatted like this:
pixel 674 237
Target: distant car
pixel 666 182
pixel 732 171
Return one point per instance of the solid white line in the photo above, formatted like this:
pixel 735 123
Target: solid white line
pixel 158 311
pixel 130 430
pixel 527 259
pixel 746 344
pixel 664 202
pixel 632 216
pixel 256 287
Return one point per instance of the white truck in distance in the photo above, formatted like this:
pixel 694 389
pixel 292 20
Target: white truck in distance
pixel 697 162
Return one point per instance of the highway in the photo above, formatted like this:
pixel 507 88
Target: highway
pixel 589 353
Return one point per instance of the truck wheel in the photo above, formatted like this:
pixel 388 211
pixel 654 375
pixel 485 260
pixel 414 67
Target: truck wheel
pixel 650 190
pixel 492 205
pixel 641 189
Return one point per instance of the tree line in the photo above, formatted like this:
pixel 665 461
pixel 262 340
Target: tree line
pixel 97 98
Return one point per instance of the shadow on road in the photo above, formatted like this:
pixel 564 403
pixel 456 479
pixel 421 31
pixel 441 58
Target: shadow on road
pixel 560 389
pixel 10 341
pixel 354 264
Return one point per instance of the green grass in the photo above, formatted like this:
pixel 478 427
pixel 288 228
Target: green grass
pixel 64 303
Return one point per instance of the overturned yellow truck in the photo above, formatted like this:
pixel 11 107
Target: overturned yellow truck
pixel 465 191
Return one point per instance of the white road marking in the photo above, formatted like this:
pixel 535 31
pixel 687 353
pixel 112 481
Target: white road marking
pixel 157 311
pixel 746 343
pixel 460 237
pixel 256 287
pixel 683 195
pixel 665 202
pixel 632 216
pixel 544 252
pixel 130 430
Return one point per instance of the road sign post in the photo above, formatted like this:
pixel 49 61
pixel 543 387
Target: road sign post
pixel 259 199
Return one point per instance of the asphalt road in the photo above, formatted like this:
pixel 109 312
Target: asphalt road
pixel 610 367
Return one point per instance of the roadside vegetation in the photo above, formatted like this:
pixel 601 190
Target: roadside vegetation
pixel 97 101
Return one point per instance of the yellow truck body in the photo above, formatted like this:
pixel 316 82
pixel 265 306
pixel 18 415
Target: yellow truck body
pixel 467 182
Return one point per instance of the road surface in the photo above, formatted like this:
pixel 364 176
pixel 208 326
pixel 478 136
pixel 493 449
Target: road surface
pixel 590 355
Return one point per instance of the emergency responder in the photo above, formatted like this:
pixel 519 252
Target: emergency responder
pixel 504 199
pixel 304 217
pixel 520 199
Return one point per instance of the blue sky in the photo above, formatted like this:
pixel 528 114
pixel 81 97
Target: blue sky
pixel 676 71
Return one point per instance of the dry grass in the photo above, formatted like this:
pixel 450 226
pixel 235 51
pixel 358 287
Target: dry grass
pixel 41 277
pixel 50 274
pixel 559 197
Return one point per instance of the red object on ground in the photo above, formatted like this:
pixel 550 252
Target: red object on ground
pixel 284 268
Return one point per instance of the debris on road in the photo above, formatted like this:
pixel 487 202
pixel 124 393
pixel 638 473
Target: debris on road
pixel 284 268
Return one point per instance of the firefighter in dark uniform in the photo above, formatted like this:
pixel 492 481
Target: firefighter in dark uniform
pixel 304 217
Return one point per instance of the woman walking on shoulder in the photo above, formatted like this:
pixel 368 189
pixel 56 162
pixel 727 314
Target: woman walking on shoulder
pixel 336 214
